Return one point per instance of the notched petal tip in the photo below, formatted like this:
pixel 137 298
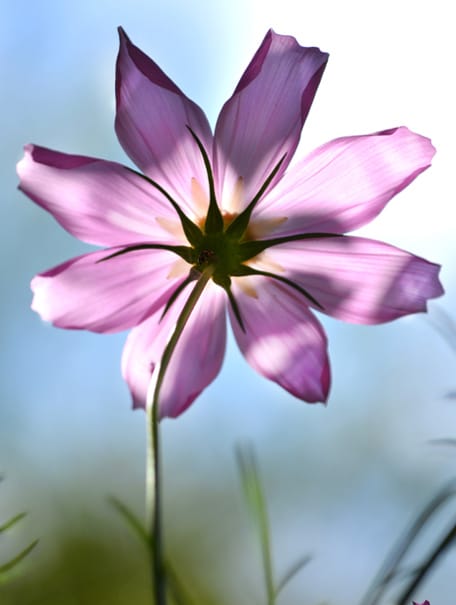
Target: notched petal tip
pixel 408 137
pixel 422 281
pixel 28 148
pixel 40 303
pixel 264 117
pixel 318 391
pixel 436 288
pixel 282 43
pixel 292 41
pixel 290 347
pixel 35 155
pixel 26 161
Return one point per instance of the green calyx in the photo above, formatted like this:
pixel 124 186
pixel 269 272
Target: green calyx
pixel 222 253
pixel 220 249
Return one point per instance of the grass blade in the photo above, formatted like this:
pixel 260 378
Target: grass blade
pixel 254 494
pixel 12 522
pixel 12 563
pixel 423 570
pixel 131 519
pixel 179 594
pixel 390 569
pixel 294 569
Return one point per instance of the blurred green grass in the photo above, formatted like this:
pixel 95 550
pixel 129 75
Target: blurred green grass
pixel 96 565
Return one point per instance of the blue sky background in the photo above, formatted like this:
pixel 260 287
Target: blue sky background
pixel 342 480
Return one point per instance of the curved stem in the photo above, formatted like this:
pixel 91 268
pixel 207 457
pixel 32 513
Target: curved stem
pixel 153 470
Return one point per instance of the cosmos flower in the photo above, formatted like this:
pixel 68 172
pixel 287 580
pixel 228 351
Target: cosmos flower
pixel 423 603
pixel 224 211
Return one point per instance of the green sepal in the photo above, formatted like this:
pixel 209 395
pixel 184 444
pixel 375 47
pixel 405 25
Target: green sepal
pixel 244 270
pixel 214 218
pixel 190 277
pixel 250 249
pixel 226 285
pixel 192 232
pixel 238 227
pixel 184 252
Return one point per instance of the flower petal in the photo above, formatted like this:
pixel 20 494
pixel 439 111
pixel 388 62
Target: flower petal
pixel 345 183
pixel 99 202
pixel 357 279
pixel 196 361
pixel 283 341
pixel 263 119
pixel 107 296
pixel 151 123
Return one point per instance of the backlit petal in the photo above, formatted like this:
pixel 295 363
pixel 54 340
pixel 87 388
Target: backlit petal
pixel 283 341
pixel 196 360
pixel 359 280
pixel 345 183
pixel 99 202
pixel 107 296
pixel 151 123
pixel 263 119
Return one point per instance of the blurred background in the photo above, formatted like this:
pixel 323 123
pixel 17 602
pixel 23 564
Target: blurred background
pixel 342 481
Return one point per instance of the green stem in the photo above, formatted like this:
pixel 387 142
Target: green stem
pixel 153 477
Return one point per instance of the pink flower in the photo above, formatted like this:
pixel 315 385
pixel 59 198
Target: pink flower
pixel 271 238
pixel 423 603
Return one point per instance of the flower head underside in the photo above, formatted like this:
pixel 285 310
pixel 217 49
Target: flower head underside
pixel 270 237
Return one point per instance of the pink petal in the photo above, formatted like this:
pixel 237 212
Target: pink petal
pixel 151 123
pixel 99 202
pixel 345 183
pixel 196 361
pixel 263 119
pixel 283 341
pixel 107 296
pixel 356 279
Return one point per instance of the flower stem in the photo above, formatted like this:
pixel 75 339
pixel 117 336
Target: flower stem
pixel 153 470
pixel 153 506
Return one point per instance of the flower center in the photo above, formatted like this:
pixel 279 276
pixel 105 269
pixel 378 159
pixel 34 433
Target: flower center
pixel 220 245
pixel 222 253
